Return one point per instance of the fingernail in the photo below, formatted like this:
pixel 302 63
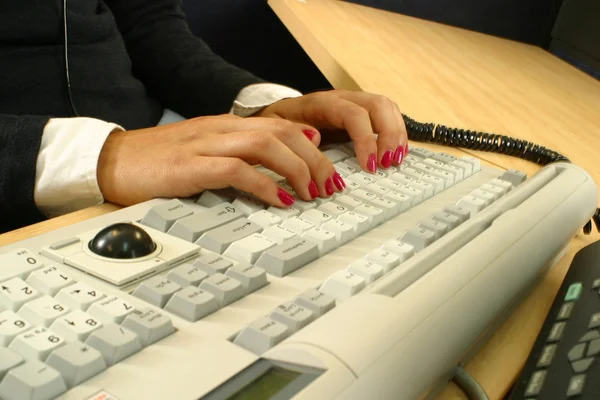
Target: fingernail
pixel 312 189
pixel 386 160
pixel 339 182
pixel 309 134
pixel 328 187
pixel 398 155
pixel 406 149
pixel 285 197
pixel 372 163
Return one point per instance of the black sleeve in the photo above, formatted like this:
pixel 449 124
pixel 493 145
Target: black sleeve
pixel 20 138
pixel 177 68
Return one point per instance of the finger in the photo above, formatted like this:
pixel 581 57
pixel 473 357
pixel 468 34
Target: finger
pixel 221 172
pixel 402 150
pixel 266 149
pixel 382 112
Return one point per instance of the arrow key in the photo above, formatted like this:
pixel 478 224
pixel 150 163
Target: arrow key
pixel 15 292
pixel 79 296
pixel 76 325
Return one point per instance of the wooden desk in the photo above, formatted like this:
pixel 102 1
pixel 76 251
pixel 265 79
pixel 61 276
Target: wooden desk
pixel 468 80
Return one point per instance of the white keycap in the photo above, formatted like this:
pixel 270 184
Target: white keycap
pixel 416 195
pixel 353 162
pixel 305 205
pixel 454 170
pixel 111 309
pixel 43 311
pixel 261 335
pixel 151 326
pixel 403 202
pixel 212 263
pixel 343 232
pixel 451 221
pixel 192 304
pixel 418 238
pixel 76 362
pixel 448 177
pixel 76 325
pixel 402 250
pixel 436 226
pixel 472 204
pixel 359 222
pixel 413 173
pixel 187 275
pixel 504 185
pixel 401 178
pixel 49 280
pixel 211 198
pixel 335 156
pixel 15 292
pixel 362 179
pixel 342 285
pixel 385 259
pixel 32 381
pixel 389 184
pixel 225 289
pixel 364 195
pixel 252 278
pixel 162 216
pixel 114 342
pixel 348 201
pixel 367 270
pixel 350 187
pixel 475 163
pixel 317 302
pixel 36 344
pixel 496 191
pixel 248 205
pixel 79 296
pixel 333 208
pixel 265 219
pixel 466 167
pixel 249 248
pixel 18 263
pixel 292 315
pixel 325 240
pixel 297 225
pixel 374 214
pixel 344 169
pixel 11 325
pixel 156 290
pixel 390 208
pixel 284 213
pixel 278 234
pixel 316 217
pixel 426 186
pixel 487 197
pixel 377 189
pixel 8 360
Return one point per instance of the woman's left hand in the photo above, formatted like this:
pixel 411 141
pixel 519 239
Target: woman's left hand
pixel 360 114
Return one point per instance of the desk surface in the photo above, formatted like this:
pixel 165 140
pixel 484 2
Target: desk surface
pixel 437 73
pixel 459 78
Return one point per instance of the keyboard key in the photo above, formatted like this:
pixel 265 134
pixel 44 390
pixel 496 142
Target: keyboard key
pixel 364 195
pixel 342 285
pixel 76 325
pixel 333 208
pixel 248 205
pixel 192 227
pixel 297 225
pixel 374 214
pixel 386 260
pixel 367 270
pixel 377 189
pixel 265 219
pixel 496 191
pixel 317 302
pixel 288 256
pixel 43 311
pixel 535 384
pixel 359 222
pixel 212 263
pixel 115 343
pixel 462 213
pixel 327 241
pixel 220 238
pixel 475 163
pixel 335 156
pixel 415 195
pixel 349 202
pixel 514 177
pixel 79 296
pixel 187 275
pixel 466 167
pixel 14 293
pixel 316 217
pixel 350 187
pixel 225 289
pixel 504 185
pixel 11 325
pixel 362 179
pixel 292 315
pixel 252 278
pixel 8 360
pixel 418 238
pixel 156 290
pixel 192 304
pixel 426 186
pixel 211 198
pixel 450 220
pixel 76 362
pixel 439 228
pixel 403 202
pixel 472 204
pixel 32 381
pixel 18 264
pixel 261 335
pixel 284 213
pixel 249 248
pixel 547 356
pixel 36 344
pixel 149 325
pixel 389 184
pixel 402 250
pixel 162 216
pixel 576 385
pixel 304 206
pixel 420 152
pixel 49 280
pixel 556 332
pixel 344 169
pixel 112 309
pixel 447 158
pixel 343 232
pixel 353 162
pixel 278 234
pixel 487 197
pixel 389 208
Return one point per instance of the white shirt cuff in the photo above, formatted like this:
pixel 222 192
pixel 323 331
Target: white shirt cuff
pixel 66 167
pixel 255 97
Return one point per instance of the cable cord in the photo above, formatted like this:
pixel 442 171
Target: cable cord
pixel 66 54
pixel 468 384
pixel 490 142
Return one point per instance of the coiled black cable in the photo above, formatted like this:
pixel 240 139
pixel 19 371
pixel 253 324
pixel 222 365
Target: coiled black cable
pixel 490 142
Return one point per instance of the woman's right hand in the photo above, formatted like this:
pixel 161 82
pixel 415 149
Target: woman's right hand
pixel 185 158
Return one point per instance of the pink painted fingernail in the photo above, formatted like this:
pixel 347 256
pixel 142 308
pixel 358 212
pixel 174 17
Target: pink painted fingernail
pixel 372 163
pixel 312 189
pixel 285 197
pixel 398 155
pixel 386 160
pixel 309 134
pixel 339 182
pixel 329 187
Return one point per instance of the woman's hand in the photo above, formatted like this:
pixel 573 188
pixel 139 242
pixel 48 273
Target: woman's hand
pixel 360 114
pixel 182 159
